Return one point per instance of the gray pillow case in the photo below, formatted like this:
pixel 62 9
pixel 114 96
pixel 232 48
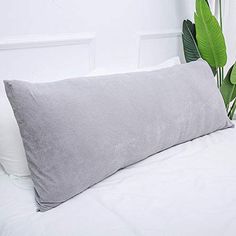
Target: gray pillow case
pixel 76 132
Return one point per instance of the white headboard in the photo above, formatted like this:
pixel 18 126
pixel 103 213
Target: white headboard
pixel 75 37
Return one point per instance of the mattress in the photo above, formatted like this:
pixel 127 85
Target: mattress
pixel 189 189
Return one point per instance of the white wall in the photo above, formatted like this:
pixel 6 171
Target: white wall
pixel 230 30
pixel 115 34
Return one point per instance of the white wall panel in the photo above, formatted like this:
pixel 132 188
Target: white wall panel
pixel 116 24
pixel 155 47
pixel 46 58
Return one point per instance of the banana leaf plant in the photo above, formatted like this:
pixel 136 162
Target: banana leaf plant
pixel 204 39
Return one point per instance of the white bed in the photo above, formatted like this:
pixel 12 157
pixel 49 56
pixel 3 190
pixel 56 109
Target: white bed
pixel 189 189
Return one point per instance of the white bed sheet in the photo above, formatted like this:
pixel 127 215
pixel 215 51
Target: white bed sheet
pixel 189 189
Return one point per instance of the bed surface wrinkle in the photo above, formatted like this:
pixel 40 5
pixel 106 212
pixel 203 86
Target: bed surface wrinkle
pixel 189 189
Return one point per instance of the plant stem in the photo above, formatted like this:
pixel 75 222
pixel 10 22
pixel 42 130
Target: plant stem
pixel 232 110
pixel 220 74
pixel 221 79
pixel 218 77
pixel 221 26
pixel 221 18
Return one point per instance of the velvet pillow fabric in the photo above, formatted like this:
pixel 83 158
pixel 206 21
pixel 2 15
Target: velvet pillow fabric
pixel 12 153
pixel 76 132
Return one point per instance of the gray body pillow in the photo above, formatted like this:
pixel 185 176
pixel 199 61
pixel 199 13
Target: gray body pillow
pixel 76 132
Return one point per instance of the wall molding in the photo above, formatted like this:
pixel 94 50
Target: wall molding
pixel 44 41
pixel 149 35
pixel 159 34
pixel 36 41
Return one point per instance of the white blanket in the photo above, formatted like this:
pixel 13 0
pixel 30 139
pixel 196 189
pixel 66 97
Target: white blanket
pixel 187 190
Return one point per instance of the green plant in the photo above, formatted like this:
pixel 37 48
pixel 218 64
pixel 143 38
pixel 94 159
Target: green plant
pixel 204 39
pixel 191 50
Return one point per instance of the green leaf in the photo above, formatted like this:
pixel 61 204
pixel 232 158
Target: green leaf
pixel 227 89
pixel 192 28
pixel 207 3
pixel 214 70
pixel 233 75
pixel 210 39
pixel 191 51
